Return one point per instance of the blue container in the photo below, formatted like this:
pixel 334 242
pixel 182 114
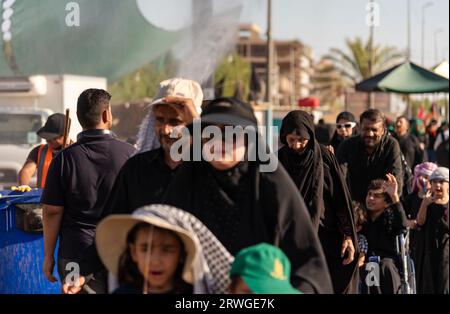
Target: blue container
pixel 21 253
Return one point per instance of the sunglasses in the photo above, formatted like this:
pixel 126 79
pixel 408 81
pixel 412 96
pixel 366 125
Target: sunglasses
pixel 349 125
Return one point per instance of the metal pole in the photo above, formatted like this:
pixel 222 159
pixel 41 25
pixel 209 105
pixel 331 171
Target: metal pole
pixel 269 60
pixel 408 53
pixel 424 7
pixel 292 101
pixel 408 49
pixel 371 101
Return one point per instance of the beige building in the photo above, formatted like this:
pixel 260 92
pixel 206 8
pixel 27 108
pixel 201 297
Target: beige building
pixel 292 59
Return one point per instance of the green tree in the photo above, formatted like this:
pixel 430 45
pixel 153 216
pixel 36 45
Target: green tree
pixel 143 83
pixel 232 77
pixel 342 69
pixel 354 65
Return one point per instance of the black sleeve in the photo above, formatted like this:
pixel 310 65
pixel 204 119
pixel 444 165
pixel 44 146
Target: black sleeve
pixel 418 158
pixel 399 221
pixel 341 156
pixel 296 237
pixel 338 194
pixel 33 155
pixel 53 193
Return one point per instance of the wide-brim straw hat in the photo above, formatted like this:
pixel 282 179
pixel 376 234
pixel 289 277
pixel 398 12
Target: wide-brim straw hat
pixel 112 233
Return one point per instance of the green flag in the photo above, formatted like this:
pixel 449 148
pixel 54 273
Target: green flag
pixel 107 38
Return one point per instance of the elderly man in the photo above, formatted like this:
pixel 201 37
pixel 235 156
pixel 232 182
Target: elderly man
pixel 144 177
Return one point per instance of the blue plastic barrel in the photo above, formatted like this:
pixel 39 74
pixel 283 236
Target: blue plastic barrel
pixel 21 253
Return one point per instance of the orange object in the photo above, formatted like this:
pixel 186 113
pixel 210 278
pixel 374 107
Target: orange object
pixel 45 156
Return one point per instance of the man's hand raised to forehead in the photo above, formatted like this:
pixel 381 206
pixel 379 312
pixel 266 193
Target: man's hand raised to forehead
pixel 185 105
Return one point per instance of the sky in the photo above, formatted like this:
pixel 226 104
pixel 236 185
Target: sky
pixel 323 24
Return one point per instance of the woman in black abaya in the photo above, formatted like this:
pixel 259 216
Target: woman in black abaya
pixel 244 206
pixel 317 175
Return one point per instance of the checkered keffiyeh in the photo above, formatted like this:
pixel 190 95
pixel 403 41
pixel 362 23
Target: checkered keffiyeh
pixel 214 260
pixel 147 138
pixel 363 244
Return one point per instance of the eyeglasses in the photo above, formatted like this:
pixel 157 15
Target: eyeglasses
pixel 349 125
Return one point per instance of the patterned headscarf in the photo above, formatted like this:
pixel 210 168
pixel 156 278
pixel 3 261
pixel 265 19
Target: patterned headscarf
pixel 422 169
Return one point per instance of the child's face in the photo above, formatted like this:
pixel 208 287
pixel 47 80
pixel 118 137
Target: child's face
pixel 159 265
pixel 439 188
pixel 375 201
pixel 239 287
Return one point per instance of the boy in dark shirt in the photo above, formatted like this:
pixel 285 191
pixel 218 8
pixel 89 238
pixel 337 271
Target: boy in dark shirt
pixel 386 220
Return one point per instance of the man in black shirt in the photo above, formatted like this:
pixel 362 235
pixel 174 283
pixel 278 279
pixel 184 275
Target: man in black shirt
pixel 386 220
pixel 409 144
pixel 145 177
pixel 370 156
pixel 78 183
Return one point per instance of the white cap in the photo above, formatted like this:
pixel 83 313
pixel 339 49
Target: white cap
pixel 440 173
pixel 179 87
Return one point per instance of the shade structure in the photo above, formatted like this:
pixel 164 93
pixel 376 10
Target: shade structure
pixel 442 69
pixel 405 78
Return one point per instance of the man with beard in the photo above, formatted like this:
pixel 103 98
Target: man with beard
pixel 409 144
pixel 144 177
pixel 370 156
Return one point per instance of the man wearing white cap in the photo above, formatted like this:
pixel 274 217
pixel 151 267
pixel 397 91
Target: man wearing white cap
pixel 144 178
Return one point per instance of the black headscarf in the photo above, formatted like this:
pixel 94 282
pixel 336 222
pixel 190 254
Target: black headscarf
pixel 305 168
pixel 320 181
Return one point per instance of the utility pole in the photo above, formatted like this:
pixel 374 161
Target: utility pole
pixel 371 102
pixel 408 52
pixel 269 98
pixel 269 60
pixel 292 74
pixel 424 7
pixel 408 31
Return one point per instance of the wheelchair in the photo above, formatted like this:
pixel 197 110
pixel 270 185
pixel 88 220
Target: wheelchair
pixel 405 264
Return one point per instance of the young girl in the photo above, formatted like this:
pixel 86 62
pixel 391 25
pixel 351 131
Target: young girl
pixel 157 252
pixel 162 250
pixel 433 218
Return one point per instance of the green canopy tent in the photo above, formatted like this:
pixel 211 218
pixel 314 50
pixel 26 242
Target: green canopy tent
pixel 405 78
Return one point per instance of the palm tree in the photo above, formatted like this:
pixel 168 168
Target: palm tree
pixel 355 65
pixel 232 77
